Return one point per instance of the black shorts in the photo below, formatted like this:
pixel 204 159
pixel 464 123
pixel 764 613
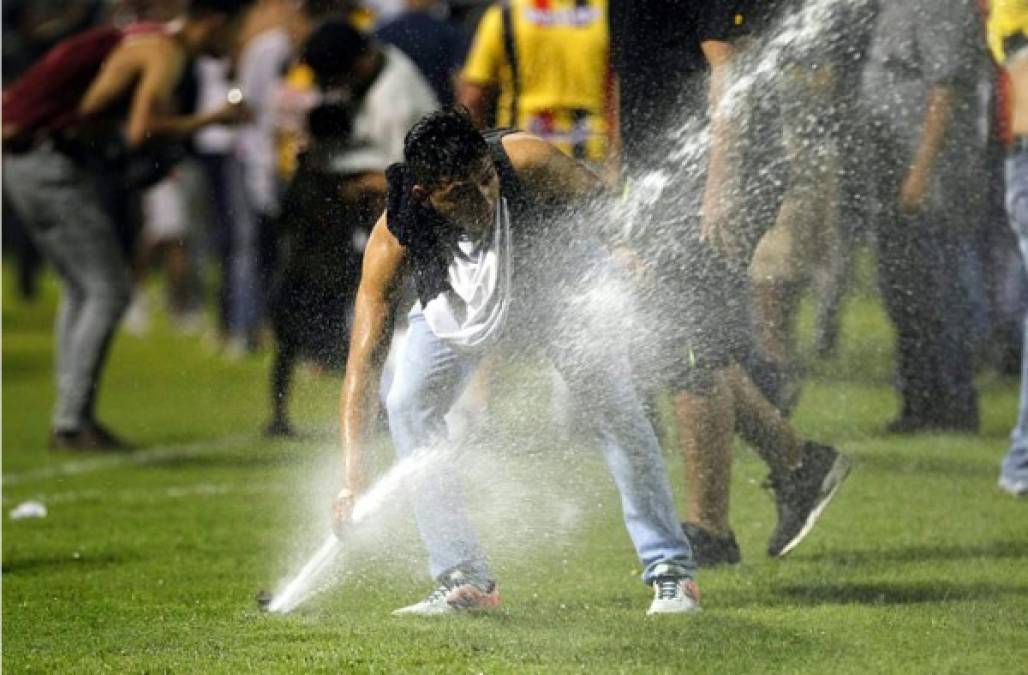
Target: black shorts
pixel 696 318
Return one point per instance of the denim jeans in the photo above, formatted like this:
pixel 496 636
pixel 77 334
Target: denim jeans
pixel 430 376
pixel 1015 465
pixel 63 212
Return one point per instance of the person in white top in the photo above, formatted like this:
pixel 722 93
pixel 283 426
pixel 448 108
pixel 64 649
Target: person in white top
pixel 386 91
pixel 455 207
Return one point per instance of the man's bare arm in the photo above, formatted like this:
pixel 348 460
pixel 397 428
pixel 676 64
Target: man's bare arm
pixel 549 172
pixel 476 98
pixel 153 66
pixel 719 56
pixel 383 259
pixel 933 136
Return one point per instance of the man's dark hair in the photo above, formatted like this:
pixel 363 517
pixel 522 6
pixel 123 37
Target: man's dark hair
pixel 207 7
pixel 333 49
pixel 443 145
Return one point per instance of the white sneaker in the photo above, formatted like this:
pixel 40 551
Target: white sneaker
pixel 1016 487
pixel 674 595
pixel 453 599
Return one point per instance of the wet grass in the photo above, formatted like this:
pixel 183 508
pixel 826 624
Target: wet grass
pixel 151 563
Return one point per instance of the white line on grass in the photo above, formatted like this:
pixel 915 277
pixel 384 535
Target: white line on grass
pixel 149 495
pixel 160 453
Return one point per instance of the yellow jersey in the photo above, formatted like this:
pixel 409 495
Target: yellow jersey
pixel 562 53
pixel 1007 19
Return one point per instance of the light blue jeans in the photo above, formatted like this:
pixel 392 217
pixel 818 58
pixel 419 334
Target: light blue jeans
pixel 1015 464
pixel 431 375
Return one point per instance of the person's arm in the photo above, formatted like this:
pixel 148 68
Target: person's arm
pixel 153 67
pixel 551 173
pixel 477 99
pixel 479 79
pixel 951 46
pixel 714 223
pixel 933 137
pixel 383 259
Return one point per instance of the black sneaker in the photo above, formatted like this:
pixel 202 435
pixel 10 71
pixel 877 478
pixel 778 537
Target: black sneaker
pixel 279 428
pixel 710 550
pixel 802 495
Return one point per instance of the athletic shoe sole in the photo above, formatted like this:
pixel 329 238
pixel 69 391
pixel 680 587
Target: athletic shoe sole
pixel 833 480
pixel 1017 488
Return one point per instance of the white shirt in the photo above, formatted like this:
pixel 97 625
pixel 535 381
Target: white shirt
pixel 260 72
pixel 214 86
pixel 471 313
pixel 399 97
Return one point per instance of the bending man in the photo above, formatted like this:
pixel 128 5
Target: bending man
pixel 461 211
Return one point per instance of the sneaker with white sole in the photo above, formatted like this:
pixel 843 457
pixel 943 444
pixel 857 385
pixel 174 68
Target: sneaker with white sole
pixel 455 594
pixel 674 595
pixel 802 495
pixel 1017 487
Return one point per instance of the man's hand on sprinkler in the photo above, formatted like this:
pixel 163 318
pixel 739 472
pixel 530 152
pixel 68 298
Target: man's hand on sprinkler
pixel 632 263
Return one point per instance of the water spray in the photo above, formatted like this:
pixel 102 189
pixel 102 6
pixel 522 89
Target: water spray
pixel 386 490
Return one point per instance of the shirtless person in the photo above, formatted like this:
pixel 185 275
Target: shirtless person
pixel 58 121
pixel 460 211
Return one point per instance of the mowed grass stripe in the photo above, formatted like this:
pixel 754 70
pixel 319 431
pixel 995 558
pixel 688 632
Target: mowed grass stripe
pixel 918 566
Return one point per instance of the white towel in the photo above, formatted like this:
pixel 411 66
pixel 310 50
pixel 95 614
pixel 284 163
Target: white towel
pixel 471 313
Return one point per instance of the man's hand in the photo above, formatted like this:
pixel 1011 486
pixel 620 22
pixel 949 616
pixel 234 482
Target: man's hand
pixel 342 510
pixel 913 192
pixel 232 113
pixel 633 264
pixel 716 228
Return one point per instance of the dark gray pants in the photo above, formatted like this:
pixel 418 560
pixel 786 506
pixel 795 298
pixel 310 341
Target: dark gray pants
pixel 63 213
pixel 925 295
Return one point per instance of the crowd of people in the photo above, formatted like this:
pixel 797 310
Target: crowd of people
pixel 264 140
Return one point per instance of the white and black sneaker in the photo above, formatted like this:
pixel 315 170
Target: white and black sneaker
pixel 674 595
pixel 456 593
pixel 802 495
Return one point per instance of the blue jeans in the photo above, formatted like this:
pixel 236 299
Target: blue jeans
pixel 1015 465
pixel 431 375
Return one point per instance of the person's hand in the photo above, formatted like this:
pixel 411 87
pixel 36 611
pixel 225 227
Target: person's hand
pixel 716 228
pixel 342 510
pixel 630 261
pixel 913 192
pixel 232 114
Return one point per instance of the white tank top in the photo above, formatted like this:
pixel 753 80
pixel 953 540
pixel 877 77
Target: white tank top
pixel 470 315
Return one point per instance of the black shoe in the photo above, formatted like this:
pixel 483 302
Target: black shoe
pixel 106 439
pixel 909 424
pixel 710 550
pixel 802 495
pixel 89 438
pixel 279 429
pixel 958 423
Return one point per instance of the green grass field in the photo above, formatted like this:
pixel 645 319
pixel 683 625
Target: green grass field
pixel 149 562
